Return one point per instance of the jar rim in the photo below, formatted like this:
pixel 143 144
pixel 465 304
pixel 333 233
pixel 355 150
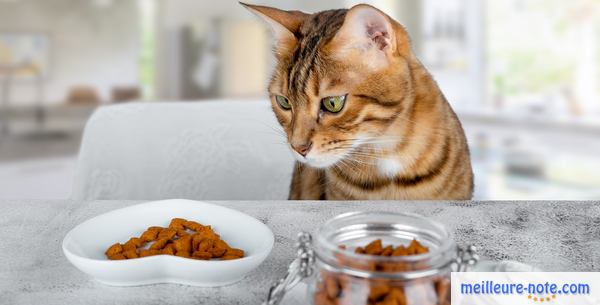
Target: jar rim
pixel 437 256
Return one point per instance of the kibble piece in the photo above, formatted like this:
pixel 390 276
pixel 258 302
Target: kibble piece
pixel 322 299
pixel 234 252
pixel 205 245
pixel 442 288
pixel 416 248
pixel 332 288
pixel 114 249
pixel 145 253
pixel 387 251
pixel 420 248
pixel 192 225
pixel 207 234
pixel 222 244
pixel 182 233
pixel 117 256
pixel 205 229
pixel 149 235
pixel 374 248
pixel 130 254
pixel 169 246
pixel 392 301
pixel 167 233
pixel 177 224
pixel 400 251
pixel 155 229
pixel 133 243
pixel 344 281
pixel 392 267
pixel 202 255
pixel 167 251
pixel 219 248
pixel 397 294
pixel 183 254
pixel 159 244
pixel 378 291
pixel 196 239
pixel 183 244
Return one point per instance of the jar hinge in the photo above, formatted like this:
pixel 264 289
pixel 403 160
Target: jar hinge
pixel 466 258
pixel 299 269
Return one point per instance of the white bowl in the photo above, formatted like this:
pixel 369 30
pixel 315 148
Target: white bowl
pixel 84 246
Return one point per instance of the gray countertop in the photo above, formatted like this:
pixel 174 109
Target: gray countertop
pixel 553 236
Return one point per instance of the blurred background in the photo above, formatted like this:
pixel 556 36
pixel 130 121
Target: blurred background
pixel 523 75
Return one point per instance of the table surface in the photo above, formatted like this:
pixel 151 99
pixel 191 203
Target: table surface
pixel 553 236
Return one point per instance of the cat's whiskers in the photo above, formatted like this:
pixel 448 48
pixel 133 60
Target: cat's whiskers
pixel 360 161
pixel 416 140
pixel 353 164
pixel 278 131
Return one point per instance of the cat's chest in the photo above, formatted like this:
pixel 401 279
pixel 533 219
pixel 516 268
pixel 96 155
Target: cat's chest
pixel 374 179
pixel 389 167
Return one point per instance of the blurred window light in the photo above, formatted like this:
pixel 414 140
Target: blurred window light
pixel 544 57
pixel 147 68
pixel 102 3
pixel 452 47
pixel 531 58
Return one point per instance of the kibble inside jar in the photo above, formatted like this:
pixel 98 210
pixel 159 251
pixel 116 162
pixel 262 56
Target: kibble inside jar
pixel 382 259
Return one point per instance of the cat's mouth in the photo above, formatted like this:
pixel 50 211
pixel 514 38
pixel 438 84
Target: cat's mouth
pixel 332 155
pixel 320 160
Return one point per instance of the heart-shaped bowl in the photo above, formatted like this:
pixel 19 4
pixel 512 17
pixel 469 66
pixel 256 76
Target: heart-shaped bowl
pixel 84 246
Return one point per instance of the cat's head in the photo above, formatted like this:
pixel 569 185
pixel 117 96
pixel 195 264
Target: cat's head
pixel 342 77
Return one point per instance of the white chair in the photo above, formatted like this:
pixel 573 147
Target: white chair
pixel 218 150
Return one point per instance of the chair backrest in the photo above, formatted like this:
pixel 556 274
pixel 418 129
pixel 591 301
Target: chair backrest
pixel 219 150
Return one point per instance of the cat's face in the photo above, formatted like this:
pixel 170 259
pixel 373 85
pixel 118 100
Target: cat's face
pixel 341 80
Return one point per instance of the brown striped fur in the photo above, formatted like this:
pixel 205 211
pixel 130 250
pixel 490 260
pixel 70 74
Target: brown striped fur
pixel 396 137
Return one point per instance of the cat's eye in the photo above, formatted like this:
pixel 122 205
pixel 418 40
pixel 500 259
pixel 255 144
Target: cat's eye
pixel 334 104
pixel 283 102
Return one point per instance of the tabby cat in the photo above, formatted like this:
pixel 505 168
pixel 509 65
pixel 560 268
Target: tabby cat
pixel 363 117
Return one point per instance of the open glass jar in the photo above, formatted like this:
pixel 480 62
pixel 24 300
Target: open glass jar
pixel 335 274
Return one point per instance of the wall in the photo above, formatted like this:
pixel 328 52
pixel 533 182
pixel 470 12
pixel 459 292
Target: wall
pixel 90 45
pixel 241 41
pixel 174 15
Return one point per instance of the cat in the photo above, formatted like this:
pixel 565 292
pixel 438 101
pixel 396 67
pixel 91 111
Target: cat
pixel 363 117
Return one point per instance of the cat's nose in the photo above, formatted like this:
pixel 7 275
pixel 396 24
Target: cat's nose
pixel 303 149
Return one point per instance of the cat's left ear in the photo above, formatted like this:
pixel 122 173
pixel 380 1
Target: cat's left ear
pixel 284 24
pixel 372 34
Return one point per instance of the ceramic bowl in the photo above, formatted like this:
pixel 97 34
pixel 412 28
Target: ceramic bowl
pixel 84 246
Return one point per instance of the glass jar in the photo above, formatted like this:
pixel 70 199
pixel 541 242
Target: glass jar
pixel 335 274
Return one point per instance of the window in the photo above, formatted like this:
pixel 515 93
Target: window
pixel 147 15
pixel 544 57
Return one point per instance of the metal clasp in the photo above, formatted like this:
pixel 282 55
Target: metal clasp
pixel 466 258
pixel 299 269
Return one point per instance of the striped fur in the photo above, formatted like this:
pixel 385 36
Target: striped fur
pixel 396 138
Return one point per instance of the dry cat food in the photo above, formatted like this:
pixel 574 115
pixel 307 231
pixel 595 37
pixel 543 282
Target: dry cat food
pixel 182 238
pixel 340 289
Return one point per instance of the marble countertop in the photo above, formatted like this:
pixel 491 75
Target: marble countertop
pixel 552 236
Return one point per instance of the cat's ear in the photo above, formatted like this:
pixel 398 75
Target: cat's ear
pixel 372 34
pixel 284 24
